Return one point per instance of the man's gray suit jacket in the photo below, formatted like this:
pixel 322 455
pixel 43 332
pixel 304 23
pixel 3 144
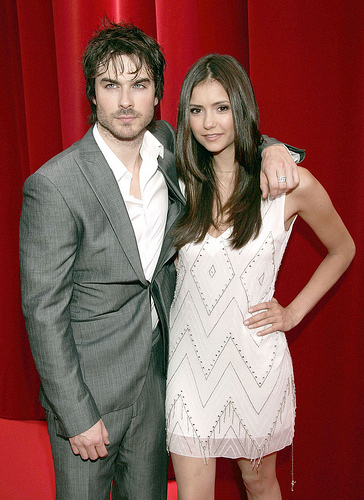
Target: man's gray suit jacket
pixel 85 298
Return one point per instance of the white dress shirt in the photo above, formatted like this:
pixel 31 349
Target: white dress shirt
pixel 148 215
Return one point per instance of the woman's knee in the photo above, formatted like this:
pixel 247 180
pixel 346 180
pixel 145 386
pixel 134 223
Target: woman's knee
pixel 259 479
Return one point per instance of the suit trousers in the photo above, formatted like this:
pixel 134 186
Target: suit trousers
pixel 137 463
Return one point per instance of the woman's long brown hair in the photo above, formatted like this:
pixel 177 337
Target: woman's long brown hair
pixel 194 162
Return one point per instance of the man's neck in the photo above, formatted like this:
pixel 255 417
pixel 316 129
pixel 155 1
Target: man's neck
pixel 127 150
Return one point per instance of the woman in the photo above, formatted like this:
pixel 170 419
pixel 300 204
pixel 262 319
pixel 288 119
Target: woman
pixel 230 389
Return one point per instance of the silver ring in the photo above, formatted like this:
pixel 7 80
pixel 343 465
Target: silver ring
pixel 282 178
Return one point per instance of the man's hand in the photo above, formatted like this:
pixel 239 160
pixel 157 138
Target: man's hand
pixel 277 164
pixel 91 443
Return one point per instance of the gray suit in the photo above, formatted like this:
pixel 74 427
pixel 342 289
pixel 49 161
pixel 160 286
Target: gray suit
pixel 85 298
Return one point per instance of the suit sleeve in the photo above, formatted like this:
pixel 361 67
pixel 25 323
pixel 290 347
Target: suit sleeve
pixel 269 141
pixel 48 246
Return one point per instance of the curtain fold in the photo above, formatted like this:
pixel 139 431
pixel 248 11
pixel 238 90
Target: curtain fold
pixel 306 64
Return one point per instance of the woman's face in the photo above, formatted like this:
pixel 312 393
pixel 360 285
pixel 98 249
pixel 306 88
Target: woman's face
pixel 211 118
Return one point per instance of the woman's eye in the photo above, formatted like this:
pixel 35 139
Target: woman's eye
pixel 195 111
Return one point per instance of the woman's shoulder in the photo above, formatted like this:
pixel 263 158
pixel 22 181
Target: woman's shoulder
pixel 306 177
pixel 307 194
pixel 308 182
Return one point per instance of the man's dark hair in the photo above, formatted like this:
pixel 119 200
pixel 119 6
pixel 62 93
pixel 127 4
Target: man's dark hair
pixel 107 45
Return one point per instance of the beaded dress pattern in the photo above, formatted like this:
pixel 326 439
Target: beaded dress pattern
pixel 230 393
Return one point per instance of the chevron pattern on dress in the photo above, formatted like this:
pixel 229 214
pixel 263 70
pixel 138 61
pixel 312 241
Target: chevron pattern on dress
pixel 230 393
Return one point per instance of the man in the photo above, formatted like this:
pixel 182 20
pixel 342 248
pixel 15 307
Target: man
pixel 98 276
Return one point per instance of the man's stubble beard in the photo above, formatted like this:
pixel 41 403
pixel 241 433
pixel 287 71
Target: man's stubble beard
pixel 114 133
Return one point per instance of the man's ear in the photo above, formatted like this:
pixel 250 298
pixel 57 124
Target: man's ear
pixel 156 100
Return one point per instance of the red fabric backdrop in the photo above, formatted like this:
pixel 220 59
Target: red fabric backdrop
pixel 306 63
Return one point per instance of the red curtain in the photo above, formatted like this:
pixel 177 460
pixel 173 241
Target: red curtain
pixel 306 63
pixel 307 66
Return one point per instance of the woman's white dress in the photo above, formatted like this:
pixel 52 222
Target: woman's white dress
pixel 230 393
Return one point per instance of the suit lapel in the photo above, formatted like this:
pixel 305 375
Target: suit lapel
pixel 103 183
pixel 168 169
pixel 175 205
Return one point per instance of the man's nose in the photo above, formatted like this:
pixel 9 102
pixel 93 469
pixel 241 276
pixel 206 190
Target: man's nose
pixel 125 99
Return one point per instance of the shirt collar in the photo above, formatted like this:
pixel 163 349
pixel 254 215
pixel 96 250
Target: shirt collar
pixel 150 147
